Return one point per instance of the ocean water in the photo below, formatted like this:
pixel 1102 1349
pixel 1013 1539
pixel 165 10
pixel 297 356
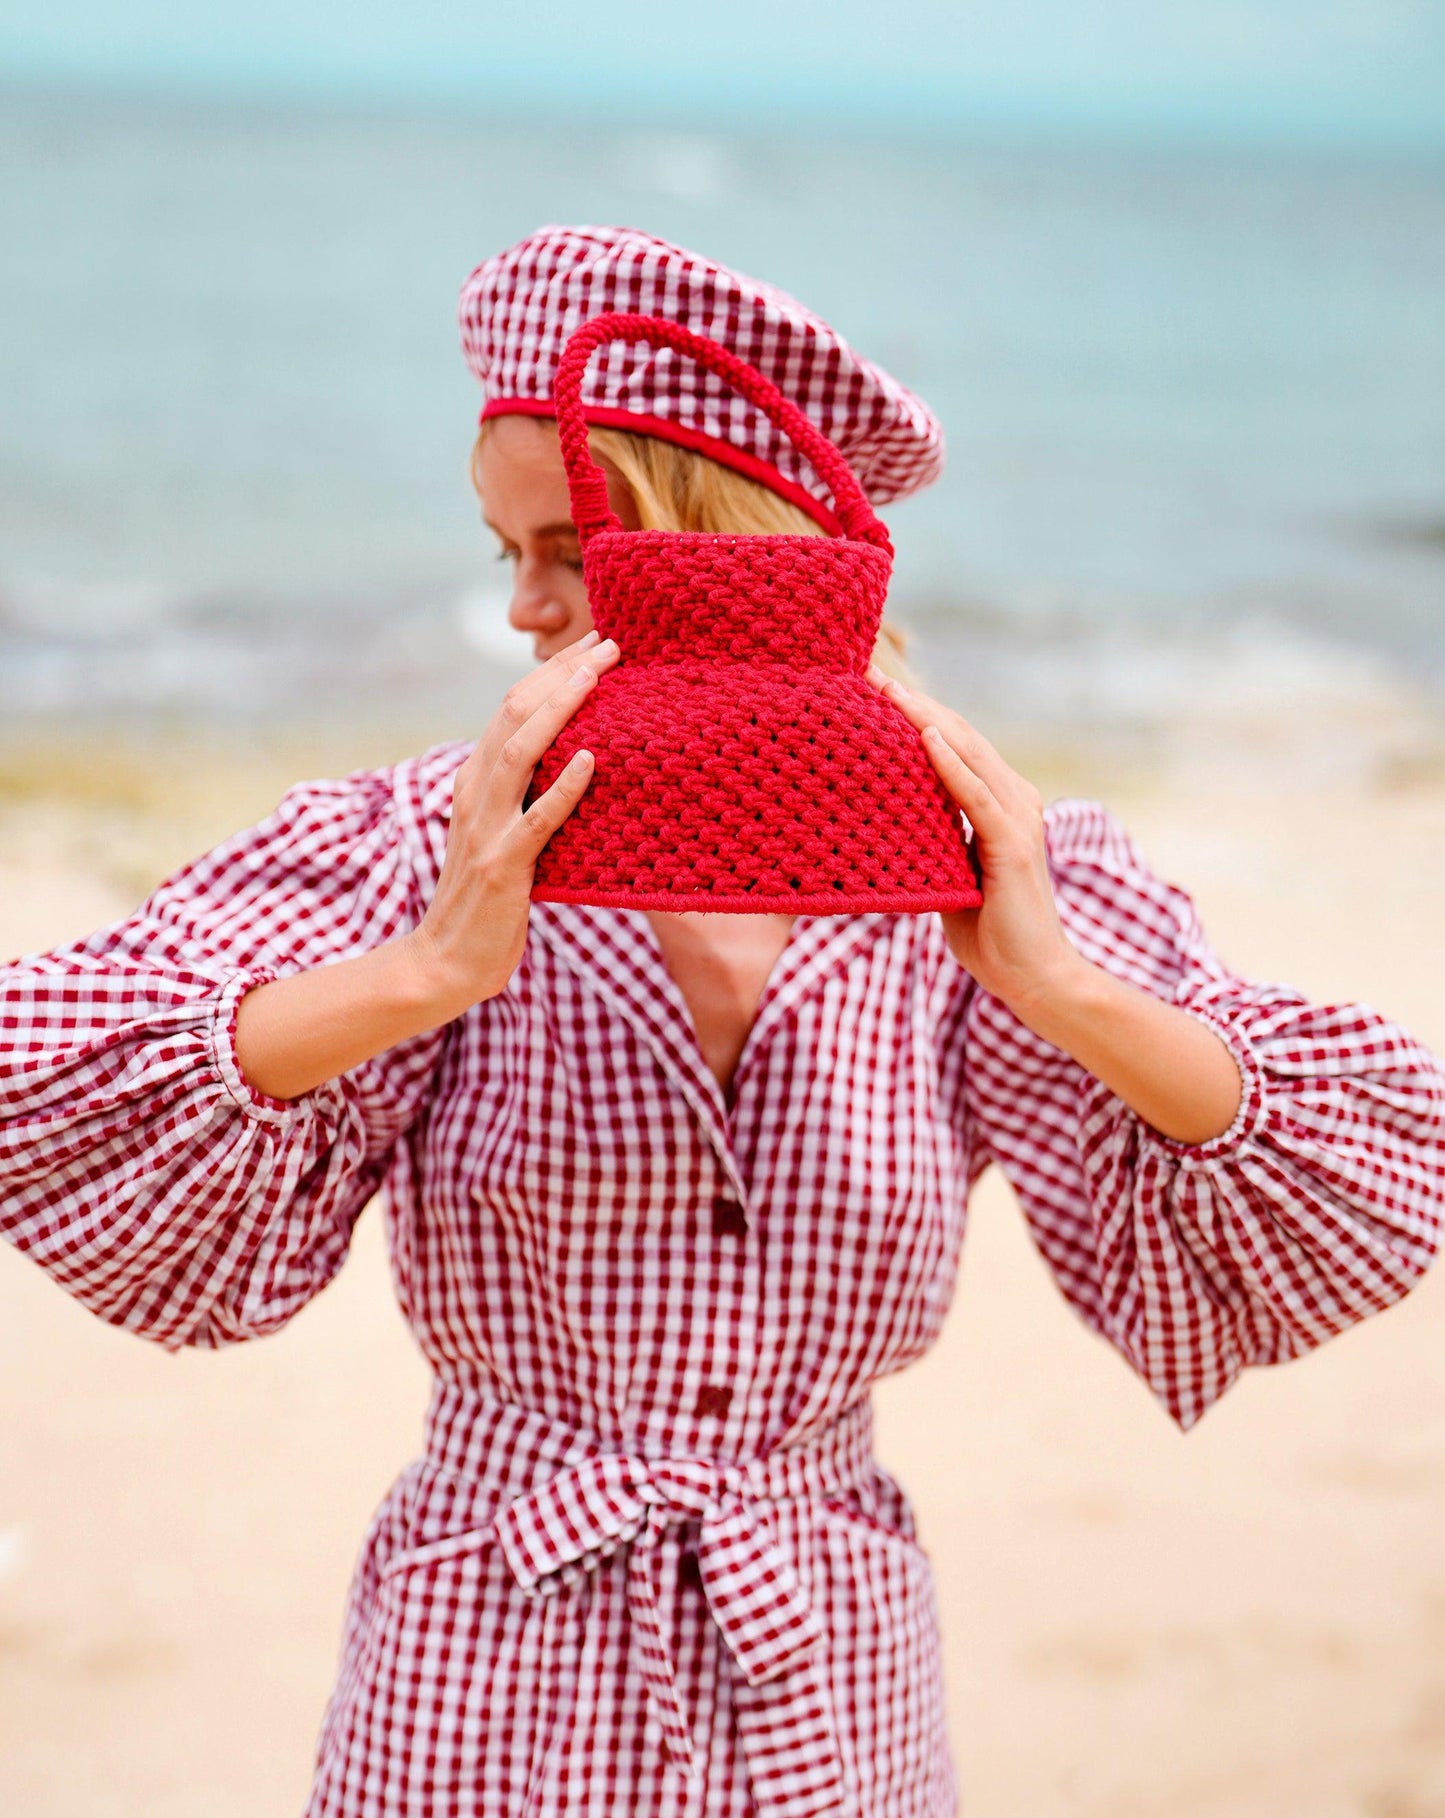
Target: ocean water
pixel 1195 402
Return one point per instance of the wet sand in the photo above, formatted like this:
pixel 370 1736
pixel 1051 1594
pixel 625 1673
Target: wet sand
pixel 1242 1622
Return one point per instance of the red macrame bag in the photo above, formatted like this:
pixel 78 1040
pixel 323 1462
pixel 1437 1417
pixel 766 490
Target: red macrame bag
pixel 742 760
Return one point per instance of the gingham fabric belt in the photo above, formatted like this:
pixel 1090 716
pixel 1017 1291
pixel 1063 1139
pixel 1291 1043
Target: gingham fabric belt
pixel 591 1502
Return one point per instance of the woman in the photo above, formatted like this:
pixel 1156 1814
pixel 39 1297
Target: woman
pixel 665 1194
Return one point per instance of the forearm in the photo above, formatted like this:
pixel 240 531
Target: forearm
pixel 1165 1064
pixel 296 1032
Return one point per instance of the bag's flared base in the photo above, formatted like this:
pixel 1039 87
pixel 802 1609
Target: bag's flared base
pixel 966 897
pixel 772 790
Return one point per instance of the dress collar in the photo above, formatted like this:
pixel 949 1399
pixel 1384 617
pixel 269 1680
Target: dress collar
pixel 616 953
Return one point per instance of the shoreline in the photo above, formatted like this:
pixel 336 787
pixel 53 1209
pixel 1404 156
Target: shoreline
pixel 1073 689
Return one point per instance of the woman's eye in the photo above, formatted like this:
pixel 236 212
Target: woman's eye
pixel 513 555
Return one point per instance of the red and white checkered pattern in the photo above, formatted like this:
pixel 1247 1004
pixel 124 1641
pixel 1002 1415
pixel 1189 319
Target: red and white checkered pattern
pixel 519 308
pixel 647 1562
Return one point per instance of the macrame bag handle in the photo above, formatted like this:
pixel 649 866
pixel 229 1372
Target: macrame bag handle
pixel 591 510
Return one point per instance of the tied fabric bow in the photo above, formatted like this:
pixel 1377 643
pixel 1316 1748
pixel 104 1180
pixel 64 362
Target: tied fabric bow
pixel 561 1529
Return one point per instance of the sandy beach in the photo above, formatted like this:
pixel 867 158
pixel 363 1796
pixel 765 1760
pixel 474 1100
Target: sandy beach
pixel 1247 1621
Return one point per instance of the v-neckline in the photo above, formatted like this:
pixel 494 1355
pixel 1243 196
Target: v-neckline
pixel 771 984
pixel 616 952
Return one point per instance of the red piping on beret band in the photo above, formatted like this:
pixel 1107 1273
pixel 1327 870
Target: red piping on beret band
pixel 726 454
pixel 519 308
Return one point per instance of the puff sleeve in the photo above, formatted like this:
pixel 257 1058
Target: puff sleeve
pixel 138 1168
pixel 1320 1205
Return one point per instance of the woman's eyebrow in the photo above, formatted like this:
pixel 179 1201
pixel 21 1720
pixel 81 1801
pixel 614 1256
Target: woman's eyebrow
pixel 566 528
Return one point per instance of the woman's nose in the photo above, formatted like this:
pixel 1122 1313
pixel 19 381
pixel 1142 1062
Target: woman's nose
pixel 530 613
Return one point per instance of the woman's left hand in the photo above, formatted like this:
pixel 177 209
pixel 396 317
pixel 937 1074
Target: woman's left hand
pixel 1014 943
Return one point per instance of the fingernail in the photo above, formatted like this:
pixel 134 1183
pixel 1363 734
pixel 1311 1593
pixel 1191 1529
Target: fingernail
pixel 587 642
pixel 582 677
pixel 608 647
pixel 897 690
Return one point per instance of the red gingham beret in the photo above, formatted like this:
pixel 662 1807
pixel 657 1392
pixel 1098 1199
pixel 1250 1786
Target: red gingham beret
pixel 519 308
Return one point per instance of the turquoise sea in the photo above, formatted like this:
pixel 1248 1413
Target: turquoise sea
pixel 1195 400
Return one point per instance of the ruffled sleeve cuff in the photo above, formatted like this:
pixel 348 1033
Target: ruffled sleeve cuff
pixel 279 1113
pixel 1253 1102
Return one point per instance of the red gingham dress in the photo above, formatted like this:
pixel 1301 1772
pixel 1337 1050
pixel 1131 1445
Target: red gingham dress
pixel 646 1563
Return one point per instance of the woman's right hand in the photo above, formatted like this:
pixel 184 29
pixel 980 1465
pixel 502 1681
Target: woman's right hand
pixel 471 939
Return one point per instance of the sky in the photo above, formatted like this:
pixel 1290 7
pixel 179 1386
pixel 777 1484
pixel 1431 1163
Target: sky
pixel 1349 73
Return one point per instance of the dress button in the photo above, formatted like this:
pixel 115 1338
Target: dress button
pixel 728 1217
pixel 713 1398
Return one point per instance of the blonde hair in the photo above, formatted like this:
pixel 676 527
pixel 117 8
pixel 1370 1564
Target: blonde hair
pixel 677 488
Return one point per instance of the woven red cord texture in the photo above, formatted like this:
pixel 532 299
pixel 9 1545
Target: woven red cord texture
pixel 742 759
